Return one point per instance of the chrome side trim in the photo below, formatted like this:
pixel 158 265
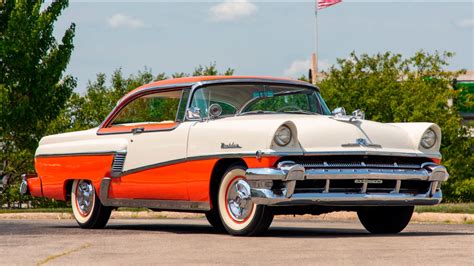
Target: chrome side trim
pixel 175 205
pixel 76 154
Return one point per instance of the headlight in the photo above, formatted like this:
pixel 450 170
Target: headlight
pixel 428 140
pixel 283 136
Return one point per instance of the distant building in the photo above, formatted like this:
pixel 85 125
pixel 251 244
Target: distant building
pixel 465 83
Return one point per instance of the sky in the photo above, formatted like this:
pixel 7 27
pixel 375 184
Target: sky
pixel 270 38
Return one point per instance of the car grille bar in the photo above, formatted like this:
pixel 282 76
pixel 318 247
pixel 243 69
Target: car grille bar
pixel 119 161
pixel 358 165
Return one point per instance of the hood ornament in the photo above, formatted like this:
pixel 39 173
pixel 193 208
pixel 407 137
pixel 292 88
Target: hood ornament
pixel 339 114
pixel 361 142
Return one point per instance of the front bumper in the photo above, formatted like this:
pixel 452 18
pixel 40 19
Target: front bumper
pixel 264 191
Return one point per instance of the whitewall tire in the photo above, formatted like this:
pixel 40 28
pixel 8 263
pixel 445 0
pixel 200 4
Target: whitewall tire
pixel 86 206
pixel 239 215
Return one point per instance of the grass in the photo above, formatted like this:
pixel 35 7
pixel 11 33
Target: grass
pixel 448 208
pixel 52 257
pixel 56 210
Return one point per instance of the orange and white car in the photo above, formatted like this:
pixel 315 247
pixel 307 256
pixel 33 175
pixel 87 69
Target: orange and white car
pixel 241 150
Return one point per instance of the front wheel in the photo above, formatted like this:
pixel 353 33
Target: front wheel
pixel 239 215
pixel 86 206
pixel 385 219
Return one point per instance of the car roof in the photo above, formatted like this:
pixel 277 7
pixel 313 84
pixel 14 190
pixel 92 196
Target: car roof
pixel 193 80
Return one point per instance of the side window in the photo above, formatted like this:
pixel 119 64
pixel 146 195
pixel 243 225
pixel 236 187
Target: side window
pixel 182 105
pixel 156 108
pixel 203 98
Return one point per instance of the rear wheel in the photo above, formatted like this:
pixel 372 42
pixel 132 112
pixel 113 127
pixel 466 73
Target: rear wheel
pixel 385 219
pixel 214 219
pixel 86 206
pixel 239 215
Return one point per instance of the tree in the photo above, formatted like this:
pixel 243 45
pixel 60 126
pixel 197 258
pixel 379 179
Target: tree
pixel 390 88
pixel 34 90
pixel 84 112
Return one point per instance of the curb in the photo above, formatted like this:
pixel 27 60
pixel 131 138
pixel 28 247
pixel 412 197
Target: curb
pixel 426 217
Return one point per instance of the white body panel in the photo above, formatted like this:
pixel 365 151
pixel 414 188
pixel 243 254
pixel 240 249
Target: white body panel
pixel 313 134
pixel 150 148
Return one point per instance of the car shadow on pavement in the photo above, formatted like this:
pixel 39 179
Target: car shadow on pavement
pixel 276 231
pixel 300 232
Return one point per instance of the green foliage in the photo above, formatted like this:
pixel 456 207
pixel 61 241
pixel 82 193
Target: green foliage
pixel 34 90
pixel 466 96
pixel 390 88
pixel 89 110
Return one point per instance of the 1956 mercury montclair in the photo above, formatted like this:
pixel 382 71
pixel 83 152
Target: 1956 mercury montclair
pixel 241 150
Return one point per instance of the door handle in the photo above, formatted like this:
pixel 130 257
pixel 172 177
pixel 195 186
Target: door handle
pixel 138 130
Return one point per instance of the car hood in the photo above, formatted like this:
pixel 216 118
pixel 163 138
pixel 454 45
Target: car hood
pixel 318 134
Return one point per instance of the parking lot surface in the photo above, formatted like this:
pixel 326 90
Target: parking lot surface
pixel 193 241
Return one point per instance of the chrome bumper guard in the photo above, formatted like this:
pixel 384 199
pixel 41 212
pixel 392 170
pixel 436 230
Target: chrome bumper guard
pixel 263 192
pixel 24 185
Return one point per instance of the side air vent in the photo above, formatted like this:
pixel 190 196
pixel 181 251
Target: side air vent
pixel 117 165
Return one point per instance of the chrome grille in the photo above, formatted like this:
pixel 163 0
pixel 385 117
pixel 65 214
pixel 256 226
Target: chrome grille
pixel 360 164
pixel 119 160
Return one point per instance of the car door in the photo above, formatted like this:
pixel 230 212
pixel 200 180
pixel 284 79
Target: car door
pixel 154 161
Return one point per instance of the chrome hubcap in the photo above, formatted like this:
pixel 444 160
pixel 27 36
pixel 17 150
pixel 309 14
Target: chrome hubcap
pixel 239 202
pixel 85 196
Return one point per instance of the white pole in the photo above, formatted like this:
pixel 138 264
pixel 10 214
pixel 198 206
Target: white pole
pixel 316 44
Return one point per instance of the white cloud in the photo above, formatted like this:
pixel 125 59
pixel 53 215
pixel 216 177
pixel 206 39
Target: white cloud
pixel 123 21
pixel 465 23
pixel 301 67
pixel 230 10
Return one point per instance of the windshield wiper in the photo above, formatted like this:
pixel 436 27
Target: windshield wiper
pixel 300 112
pixel 257 112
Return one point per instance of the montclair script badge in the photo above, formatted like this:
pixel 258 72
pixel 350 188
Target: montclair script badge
pixel 230 146
pixel 365 181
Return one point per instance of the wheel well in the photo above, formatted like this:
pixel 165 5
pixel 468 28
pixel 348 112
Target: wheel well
pixel 68 189
pixel 219 169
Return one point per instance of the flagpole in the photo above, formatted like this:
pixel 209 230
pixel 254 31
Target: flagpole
pixel 314 57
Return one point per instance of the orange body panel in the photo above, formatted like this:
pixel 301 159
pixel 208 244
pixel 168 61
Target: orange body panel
pixel 253 162
pixel 189 180
pixel 55 171
pixel 180 181
pixel 35 187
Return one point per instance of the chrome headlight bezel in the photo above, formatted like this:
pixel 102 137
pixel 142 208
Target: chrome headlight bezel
pixel 283 136
pixel 429 139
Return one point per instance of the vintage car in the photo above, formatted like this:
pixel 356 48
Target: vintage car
pixel 241 150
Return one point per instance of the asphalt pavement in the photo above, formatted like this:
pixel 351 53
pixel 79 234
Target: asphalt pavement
pixel 193 241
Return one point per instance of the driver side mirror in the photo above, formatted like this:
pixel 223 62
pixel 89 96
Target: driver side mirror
pixel 339 111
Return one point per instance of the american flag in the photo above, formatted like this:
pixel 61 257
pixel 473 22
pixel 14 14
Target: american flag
pixel 326 3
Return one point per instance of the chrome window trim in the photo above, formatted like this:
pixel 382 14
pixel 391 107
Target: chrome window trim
pixel 133 96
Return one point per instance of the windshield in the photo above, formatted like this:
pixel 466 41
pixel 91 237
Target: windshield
pixel 246 99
